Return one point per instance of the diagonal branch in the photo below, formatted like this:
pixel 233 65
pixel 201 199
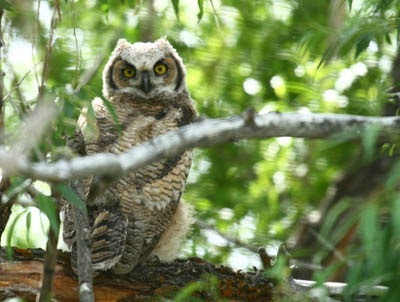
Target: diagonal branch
pixel 201 134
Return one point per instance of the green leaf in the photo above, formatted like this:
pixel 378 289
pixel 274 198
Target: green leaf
pixel 326 56
pixel 132 3
pixel 350 3
pixel 388 38
pixel 396 216
pixel 329 222
pixel 47 206
pixel 393 178
pixel 114 115
pixel 5 4
pixel 391 151
pixel 363 43
pixel 11 233
pixel 28 221
pixel 369 140
pixel 186 292
pixel 175 4
pixel 201 10
pixel 105 8
pixel 70 195
pixel 369 227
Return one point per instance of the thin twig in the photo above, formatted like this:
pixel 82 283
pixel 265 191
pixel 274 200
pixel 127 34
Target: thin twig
pixel 84 250
pixel 217 22
pixel 201 134
pixel 5 209
pixel 16 85
pixel 77 49
pixel 49 48
pixel 85 78
pixel 50 259
pixel 46 291
pixel 329 246
pixel 206 226
pixel 35 32
pixel 254 249
pixel 1 80
pixel 33 128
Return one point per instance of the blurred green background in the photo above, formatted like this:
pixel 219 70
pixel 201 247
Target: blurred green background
pixel 333 203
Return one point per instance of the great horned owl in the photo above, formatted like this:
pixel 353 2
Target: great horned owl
pixel 142 213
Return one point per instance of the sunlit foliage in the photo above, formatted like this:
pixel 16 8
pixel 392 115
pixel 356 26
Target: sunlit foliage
pixel 283 55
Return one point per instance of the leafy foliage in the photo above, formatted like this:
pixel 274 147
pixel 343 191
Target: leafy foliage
pixel 269 55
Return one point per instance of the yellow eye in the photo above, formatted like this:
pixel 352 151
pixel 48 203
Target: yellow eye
pixel 160 69
pixel 128 72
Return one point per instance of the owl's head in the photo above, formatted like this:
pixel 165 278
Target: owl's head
pixel 146 70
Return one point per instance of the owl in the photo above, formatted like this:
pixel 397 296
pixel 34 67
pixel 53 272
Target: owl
pixel 142 214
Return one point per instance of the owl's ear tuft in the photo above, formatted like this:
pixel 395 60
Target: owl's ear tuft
pixel 163 38
pixel 121 45
pixel 164 42
pixel 122 41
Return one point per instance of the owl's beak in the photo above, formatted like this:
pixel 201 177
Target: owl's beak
pixel 146 84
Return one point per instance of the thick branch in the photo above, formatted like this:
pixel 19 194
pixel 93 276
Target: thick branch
pixel 153 281
pixel 20 278
pixel 204 133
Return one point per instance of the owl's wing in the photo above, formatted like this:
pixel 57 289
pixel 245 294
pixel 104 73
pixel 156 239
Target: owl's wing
pixel 150 197
pixel 97 131
pixel 109 226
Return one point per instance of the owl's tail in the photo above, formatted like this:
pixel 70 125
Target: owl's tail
pixel 108 238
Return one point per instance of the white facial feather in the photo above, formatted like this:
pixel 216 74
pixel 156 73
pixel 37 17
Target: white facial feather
pixel 143 56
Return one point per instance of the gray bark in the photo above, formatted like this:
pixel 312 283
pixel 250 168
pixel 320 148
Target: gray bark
pixel 202 134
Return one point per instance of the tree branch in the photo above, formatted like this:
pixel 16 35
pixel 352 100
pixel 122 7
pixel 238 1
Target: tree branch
pixel 236 241
pixel 85 78
pixel 1 80
pixel 49 48
pixel 19 278
pixel 84 249
pixel 201 134
pixel 49 267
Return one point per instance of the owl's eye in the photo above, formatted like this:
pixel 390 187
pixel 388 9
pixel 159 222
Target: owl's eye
pixel 160 68
pixel 128 72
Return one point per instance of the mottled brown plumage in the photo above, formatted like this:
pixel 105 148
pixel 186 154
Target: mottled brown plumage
pixel 142 213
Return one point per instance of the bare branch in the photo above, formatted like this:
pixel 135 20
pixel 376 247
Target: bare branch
pixel 201 134
pixel 34 126
pixel 265 258
pixel 84 249
pixel 85 78
pixel 19 82
pixel 49 48
pixel 338 288
pixel 35 32
pixel 237 242
pixel 5 209
pixel 50 261
pixel 1 81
